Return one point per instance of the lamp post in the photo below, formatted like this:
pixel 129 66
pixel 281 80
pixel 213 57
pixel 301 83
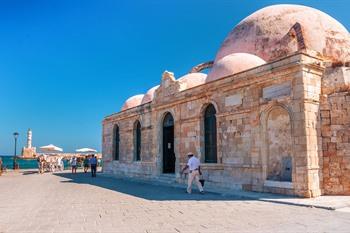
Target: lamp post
pixel 15 135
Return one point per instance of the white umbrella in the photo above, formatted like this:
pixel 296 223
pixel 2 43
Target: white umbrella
pixel 51 148
pixel 86 150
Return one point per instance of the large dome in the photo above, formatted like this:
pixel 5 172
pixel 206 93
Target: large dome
pixel 132 102
pixel 232 64
pixel 149 96
pixel 191 80
pixel 265 34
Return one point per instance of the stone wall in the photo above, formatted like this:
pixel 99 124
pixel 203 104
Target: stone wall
pixel 267 123
pixel 28 153
pixel 335 120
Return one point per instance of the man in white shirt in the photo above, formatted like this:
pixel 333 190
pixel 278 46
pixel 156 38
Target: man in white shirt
pixel 74 164
pixel 193 165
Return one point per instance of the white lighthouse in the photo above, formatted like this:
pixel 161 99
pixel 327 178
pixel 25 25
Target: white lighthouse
pixel 29 138
pixel 29 151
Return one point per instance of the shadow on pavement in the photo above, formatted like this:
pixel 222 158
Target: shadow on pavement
pixel 31 172
pixel 142 189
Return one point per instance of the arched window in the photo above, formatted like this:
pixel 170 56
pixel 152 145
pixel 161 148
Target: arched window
pixel 210 134
pixel 137 141
pixel 116 140
pixel 168 144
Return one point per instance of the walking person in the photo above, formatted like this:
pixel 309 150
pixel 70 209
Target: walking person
pixel 74 164
pixel 62 164
pixel 59 163
pixel 93 165
pixel 0 166
pixel 42 164
pixel 86 164
pixel 52 162
pixel 38 160
pixel 193 165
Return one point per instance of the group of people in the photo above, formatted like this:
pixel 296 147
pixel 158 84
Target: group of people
pixel 88 162
pixel 53 164
pixel 56 163
pixel 50 164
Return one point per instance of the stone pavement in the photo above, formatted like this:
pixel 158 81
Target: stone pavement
pixel 322 202
pixel 339 203
pixel 77 203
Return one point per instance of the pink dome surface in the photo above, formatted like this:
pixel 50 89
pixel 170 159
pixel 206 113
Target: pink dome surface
pixel 232 64
pixel 191 80
pixel 132 102
pixel 149 95
pixel 263 33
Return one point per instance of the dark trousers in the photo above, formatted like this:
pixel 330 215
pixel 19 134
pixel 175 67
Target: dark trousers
pixel 93 170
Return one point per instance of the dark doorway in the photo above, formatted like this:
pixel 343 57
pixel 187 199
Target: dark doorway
pixel 210 134
pixel 116 143
pixel 137 141
pixel 168 144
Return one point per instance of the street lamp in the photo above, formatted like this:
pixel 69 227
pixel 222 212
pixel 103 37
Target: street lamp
pixel 15 135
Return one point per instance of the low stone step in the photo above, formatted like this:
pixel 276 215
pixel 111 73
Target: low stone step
pixel 165 178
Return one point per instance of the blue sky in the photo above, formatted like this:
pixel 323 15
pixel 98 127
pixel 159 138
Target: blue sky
pixel 66 64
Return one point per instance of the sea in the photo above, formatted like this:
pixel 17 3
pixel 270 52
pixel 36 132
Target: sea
pixel 24 163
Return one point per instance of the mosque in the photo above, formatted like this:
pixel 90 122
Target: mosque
pixel 271 115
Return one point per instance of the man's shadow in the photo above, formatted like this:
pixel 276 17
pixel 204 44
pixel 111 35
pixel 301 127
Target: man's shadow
pixel 145 190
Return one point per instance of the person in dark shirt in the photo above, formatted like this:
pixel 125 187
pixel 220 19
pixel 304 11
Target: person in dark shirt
pixel 93 165
pixel 86 164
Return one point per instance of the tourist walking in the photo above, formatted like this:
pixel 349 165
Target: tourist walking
pixel 41 164
pixel 0 166
pixel 93 165
pixel 52 162
pixel 38 160
pixel 74 164
pixel 86 164
pixel 193 165
pixel 60 164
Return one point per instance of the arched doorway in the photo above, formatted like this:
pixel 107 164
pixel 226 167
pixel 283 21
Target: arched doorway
pixel 210 140
pixel 137 141
pixel 116 140
pixel 168 144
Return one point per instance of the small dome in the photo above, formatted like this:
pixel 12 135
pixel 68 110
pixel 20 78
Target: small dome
pixel 232 64
pixel 264 32
pixel 149 95
pixel 191 80
pixel 132 102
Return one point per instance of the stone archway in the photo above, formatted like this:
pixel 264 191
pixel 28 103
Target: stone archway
pixel 279 145
pixel 168 144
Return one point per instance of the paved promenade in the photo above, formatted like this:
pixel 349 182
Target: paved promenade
pixel 78 203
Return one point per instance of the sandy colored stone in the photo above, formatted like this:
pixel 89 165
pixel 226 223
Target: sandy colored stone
pixel 291 113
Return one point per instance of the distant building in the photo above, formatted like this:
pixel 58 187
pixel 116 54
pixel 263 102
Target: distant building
pixel 29 151
pixel 272 115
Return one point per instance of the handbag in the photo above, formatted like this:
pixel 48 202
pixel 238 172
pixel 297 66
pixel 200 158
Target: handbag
pixel 202 181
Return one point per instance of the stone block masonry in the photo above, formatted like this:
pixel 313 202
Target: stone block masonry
pixel 287 143
pixel 335 128
pixel 272 115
